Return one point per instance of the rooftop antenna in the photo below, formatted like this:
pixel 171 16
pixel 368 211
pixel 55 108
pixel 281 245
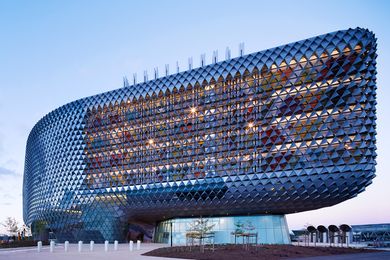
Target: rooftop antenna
pixel 190 63
pixel 215 57
pixel 202 59
pixel 125 82
pixel 228 54
pixel 155 72
pixel 166 69
pixel 177 67
pixel 145 75
pixel 135 78
pixel 241 49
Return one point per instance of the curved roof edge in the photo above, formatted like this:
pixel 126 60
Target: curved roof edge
pixel 224 69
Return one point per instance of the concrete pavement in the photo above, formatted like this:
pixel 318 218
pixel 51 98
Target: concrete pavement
pixel 30 253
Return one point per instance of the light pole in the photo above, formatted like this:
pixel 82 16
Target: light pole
pixel 170 223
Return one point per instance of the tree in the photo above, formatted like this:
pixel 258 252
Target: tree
pixel 25 231
pixel 201 226
pixel 243 227
pixel 200 229
pixel 11 225
pixel 246 231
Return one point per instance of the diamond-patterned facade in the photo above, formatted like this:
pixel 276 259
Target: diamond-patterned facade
pixel 279 131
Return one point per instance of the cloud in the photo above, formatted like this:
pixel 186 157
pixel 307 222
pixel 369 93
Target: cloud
pixel 8 196
pixel 7 172
pixel 11 163
pixel 1 143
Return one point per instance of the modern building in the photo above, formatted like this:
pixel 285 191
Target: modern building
pixel 372 234
pixel 376 235
pixel 241 142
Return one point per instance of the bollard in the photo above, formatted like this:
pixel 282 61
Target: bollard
pixel 131 246
pixel 80 246
pixel 91 244
pixel 106 246
pixel 66 246
pixel 115 245
pixel 138 245
pixel 52 246
pixel 39 246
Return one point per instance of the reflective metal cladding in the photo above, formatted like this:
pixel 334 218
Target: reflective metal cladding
pixel 283 130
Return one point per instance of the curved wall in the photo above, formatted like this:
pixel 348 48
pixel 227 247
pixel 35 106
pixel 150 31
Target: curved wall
pixel 284 130
pixel 259 229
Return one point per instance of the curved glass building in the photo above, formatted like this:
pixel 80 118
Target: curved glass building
pixel 279 131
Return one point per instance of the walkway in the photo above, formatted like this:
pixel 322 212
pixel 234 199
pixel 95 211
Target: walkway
pixel 73 254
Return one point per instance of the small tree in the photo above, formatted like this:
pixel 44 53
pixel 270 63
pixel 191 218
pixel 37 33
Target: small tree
pixel 239 227
pixel 243 227
pixel 249 227
pixel 201 226
pixel 198 229
pixel 11 225
pixel 25 231
pixel 245 230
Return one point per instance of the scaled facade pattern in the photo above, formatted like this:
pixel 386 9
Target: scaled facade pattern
pixel 279 131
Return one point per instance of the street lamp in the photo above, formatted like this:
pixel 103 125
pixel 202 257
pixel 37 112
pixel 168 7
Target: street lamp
pixel 171 224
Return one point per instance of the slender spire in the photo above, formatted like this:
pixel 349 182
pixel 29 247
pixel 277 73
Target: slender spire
pixel 203 60
pixel 125 82
pixel 215 57
pixel 228 54
pixel 155 72
pixel 190 63
pixel 145 75
pixel 241 49
pixel 166 69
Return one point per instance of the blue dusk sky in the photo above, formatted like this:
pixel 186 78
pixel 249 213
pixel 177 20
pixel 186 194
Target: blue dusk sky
pixel 54 52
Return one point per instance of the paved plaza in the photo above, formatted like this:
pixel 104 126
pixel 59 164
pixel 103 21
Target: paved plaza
pixel 59 253
pixel 123 252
